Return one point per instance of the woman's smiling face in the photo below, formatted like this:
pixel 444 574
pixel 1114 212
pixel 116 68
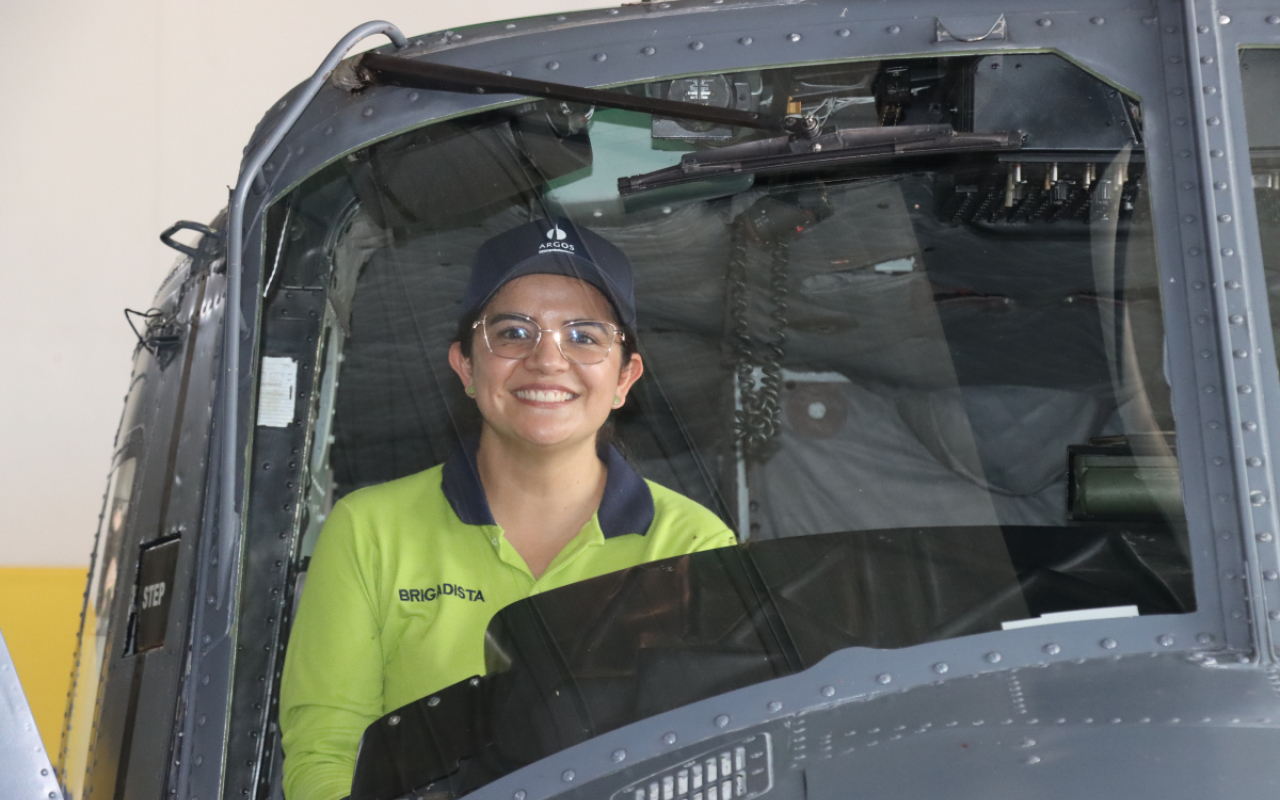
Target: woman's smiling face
pixel 545 399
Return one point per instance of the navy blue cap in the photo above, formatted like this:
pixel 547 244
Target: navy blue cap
pixel 552 247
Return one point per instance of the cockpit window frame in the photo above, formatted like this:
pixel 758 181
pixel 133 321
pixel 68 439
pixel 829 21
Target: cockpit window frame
pixel 1227 176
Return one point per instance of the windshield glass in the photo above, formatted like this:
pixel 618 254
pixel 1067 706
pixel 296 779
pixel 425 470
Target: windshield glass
pixel 1259 73
pixel 927 392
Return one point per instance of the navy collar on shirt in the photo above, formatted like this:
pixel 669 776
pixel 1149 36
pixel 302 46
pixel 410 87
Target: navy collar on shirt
pixel 627 505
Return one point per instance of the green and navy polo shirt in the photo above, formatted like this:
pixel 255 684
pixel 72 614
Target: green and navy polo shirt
pixel 404 581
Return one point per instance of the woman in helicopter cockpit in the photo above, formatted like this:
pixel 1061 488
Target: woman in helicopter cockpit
pixel 407 574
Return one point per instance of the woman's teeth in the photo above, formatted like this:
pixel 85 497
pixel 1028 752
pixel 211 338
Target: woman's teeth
pixel 544 397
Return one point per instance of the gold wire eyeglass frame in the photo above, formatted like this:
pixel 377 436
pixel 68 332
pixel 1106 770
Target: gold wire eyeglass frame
pixel 613 329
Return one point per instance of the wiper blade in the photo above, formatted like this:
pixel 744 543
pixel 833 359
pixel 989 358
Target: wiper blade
pixel 375 69
pixel 834 148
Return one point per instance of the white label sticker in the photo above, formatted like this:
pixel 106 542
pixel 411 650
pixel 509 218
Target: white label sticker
pixel 277 392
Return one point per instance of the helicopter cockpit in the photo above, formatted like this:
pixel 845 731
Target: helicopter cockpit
pixel 920 296
pixel 925 385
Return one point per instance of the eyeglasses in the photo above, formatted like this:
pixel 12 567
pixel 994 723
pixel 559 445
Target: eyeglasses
pixel 515 336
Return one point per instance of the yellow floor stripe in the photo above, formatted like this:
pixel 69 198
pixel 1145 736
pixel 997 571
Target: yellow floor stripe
pixel 39 616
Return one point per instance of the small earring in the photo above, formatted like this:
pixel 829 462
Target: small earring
pixel 471 391
pixel 617 401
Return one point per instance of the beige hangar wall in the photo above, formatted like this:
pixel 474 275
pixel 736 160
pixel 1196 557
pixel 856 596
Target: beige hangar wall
pixel 117 119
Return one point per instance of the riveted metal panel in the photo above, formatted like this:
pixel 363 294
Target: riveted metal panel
pixel 1220 33
pixel 678 41
pixel 179 508
pixel 128 751
pixel 184 518
pixel 134 729
pixel 195 769
pixel 291 329
pixel 23 761
pixel 1131 727
pixel 1137 715
pixel 1212 223
pixel 1095 761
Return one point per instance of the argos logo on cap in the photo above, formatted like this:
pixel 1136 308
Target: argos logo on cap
pixel 555 242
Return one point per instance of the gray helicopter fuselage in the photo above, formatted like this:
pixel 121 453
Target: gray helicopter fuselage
pixel 177 687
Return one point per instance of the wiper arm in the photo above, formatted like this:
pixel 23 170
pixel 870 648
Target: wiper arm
pixel 375 69
pixel 838 147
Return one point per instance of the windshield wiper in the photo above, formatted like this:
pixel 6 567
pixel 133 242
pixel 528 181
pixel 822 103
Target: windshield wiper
pixel 833 148
pixel 375 69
